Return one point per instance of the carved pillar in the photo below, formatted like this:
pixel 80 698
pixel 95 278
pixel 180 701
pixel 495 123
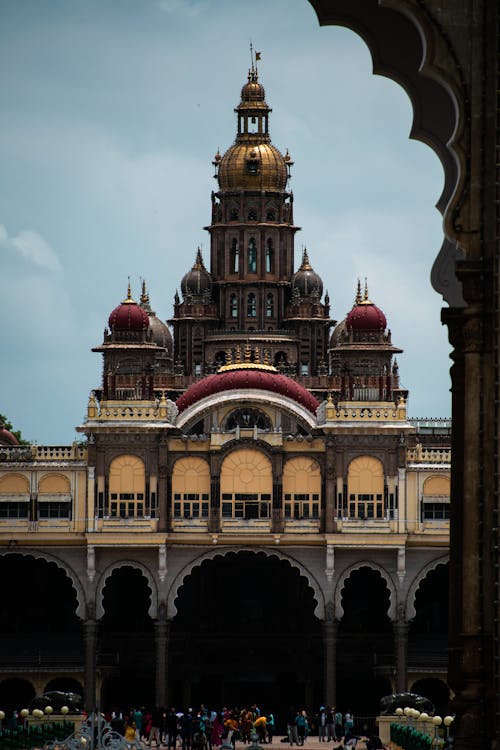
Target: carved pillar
pixel 277 524
pixel 330 658
pixel 90 641
pixel 163 497
pixel 162 631
pixel 401 650
pixel 214 518
pixel 330 488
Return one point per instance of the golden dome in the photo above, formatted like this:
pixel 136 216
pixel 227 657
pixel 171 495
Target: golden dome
pixel 252 166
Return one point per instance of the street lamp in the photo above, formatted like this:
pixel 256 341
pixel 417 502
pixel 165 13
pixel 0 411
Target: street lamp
pixel 448 721
pixel 437 721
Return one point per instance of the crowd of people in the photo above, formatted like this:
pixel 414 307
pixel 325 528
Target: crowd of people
pixel 206 729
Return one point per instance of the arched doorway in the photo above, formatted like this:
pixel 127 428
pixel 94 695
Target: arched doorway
pixel 38 618
pixel 15 693
pixel 428 631
pixel 126 644
pixel 436 690
pixel 245 632
pixel 65 685
pixel 365 642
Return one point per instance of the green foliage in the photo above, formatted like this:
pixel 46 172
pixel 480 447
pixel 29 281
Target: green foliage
pixel 17 433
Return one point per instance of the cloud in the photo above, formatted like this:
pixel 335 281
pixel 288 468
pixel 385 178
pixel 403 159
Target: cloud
pixel 31 246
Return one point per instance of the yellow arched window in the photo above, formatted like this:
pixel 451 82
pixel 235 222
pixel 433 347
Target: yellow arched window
pixel 246 484
pixel 14 496
pixel 302 488
pixel 365 488
pixel 191 488
pixel 436 499
pixel 54 496
pixel 127 488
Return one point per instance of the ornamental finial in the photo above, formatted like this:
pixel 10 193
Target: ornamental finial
pixel 358 298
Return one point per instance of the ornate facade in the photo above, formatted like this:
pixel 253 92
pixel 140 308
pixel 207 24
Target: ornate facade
pixel 251 506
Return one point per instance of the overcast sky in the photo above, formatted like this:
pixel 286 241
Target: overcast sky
pixel 112 111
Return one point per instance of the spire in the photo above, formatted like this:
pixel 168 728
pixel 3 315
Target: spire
pixel 366 299
pixel 129 300
pixel 358 298
pixel 199 260
pixel 305 266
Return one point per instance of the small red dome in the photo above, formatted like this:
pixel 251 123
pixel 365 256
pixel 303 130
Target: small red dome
pixel 128 316
pixel 6 437
pixel 366 316
pixel 247 378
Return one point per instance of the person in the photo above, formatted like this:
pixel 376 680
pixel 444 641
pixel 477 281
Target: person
pixel 186 722
pixel 270 727
pixel 301 721
pixel 339 733
pixel 322 724
pixel 246 723
pixel 155 731
pixel 130 730
pixel 348 722
pixel 330 728
pixel 291 723
pixel 260 725
pixel 199 740
pixel 231 727
pixel 217 729
pixel 138 718
pixel 172 728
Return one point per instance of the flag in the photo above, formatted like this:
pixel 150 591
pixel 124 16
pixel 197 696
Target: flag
pixel 257 56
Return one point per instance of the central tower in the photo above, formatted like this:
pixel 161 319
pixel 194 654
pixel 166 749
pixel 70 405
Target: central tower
pixel 251 295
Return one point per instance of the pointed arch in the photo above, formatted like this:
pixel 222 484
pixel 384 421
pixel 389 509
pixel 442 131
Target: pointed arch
pixel 410 610
pixel 386 576
pixel 108 572
pixel 178 581
pixel 82 608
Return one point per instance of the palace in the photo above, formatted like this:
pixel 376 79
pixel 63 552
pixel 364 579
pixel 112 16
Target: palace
pixel 251 514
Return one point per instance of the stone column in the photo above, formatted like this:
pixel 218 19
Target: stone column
pixel 330 489
pixel 330 659
pixel 401 650
pixel 162 628
pixel 90 641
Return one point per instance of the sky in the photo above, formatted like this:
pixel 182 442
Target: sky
pixel 112 111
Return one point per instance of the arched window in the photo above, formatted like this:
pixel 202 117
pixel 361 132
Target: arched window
pixel 233 306
pixel 252 256
pixel 436 499
pixel 233 214
pixel 248 417
pixel 302 488
pixel 246 485
pixel 54 497
pixel 251 306
pixel 269 306
pixel 270 216
pixel 127 488
pixel 235 263
pixel 365 488
pixel 269 256
pixel 252 215
pixel 14 496
pixel 190 488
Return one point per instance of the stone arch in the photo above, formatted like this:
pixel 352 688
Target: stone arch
pixel 410 610
pixel 178 581
pixel 53 484
pixel 337 597
pixel 82 608
pixel 14 483
pixel 425 64
pixel 108 572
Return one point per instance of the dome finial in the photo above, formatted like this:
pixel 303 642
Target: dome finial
pixel 144 293
pixel 365 296
pixel 199 259
pixel 305 266
pixel 129 300
pixel 358 298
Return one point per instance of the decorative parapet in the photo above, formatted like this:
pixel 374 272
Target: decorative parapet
pixel 419 454
pixel 361 411
pixel 75 452
pixel 16 453
pixel 162 410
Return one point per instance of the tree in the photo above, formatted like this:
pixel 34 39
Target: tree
pixel 4 422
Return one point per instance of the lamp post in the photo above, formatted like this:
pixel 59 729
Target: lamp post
pixel 448 721
pixel 437 721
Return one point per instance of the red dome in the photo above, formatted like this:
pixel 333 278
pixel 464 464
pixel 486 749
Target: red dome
pixel 366 316
pixel 247 378
pixel 6 437
pixel 128 316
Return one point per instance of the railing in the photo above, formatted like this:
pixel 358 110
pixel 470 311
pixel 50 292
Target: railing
pixel 419 454
pixel 73 452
